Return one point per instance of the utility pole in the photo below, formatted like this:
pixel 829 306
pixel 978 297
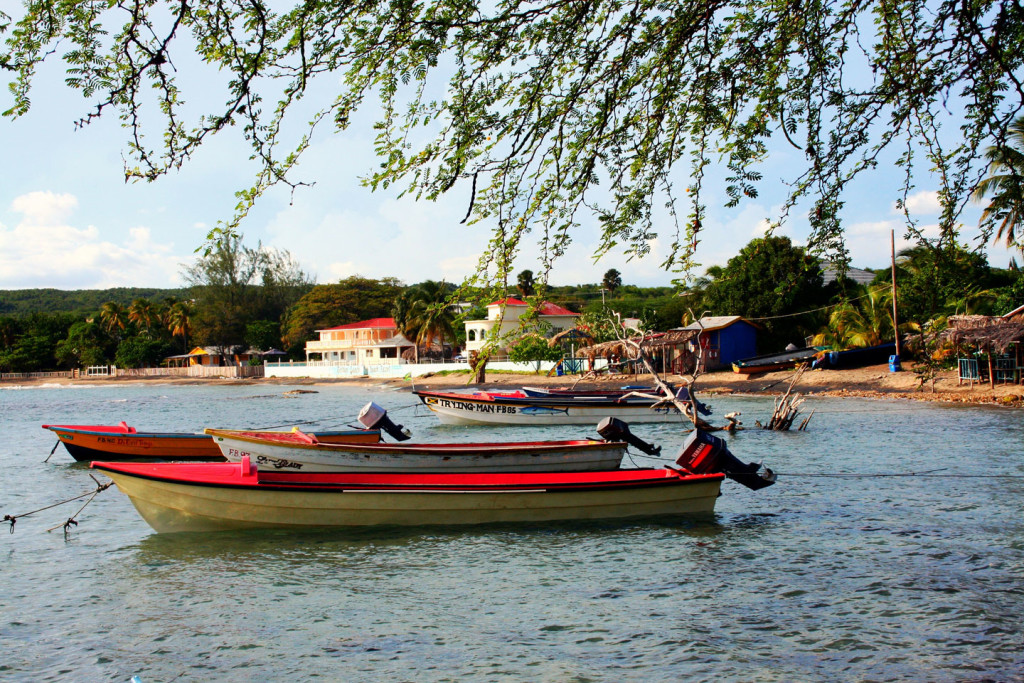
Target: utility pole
pixel 895 320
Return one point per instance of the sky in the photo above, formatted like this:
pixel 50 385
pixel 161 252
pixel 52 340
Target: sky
pixel 69 221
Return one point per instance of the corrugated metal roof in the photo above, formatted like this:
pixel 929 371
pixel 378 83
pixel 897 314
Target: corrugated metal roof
pixel 713 322
pixel 858 275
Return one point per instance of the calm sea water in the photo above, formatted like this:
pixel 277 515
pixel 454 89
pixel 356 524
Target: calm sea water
pixel 816 578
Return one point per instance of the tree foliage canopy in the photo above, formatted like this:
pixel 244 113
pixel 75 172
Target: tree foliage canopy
pixel 769 278
pixel 350 300
pixel 234 285
pixel 540 110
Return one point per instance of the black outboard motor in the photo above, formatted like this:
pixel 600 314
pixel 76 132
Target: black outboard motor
pixel 372 416
pixel 703 453
pixel 614 429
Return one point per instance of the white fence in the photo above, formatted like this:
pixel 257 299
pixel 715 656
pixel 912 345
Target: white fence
pixel 332 369
pixel 226 371
pixel 35 375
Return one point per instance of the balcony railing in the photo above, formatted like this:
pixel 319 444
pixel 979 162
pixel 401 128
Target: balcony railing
pixel 342 344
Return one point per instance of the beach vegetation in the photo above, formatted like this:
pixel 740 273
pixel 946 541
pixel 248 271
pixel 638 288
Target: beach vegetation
pixel 86 344
pixel 533 347
pixel 773 283
pixel 1003 217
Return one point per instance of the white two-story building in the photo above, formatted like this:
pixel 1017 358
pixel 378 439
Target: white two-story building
pixel 478 331
pixel 369 342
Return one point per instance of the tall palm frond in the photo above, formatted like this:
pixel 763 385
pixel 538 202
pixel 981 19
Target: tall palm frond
pixel 866 322
pixel 179 320
pixel 144 313
pixel 114 317
pixel 1005 210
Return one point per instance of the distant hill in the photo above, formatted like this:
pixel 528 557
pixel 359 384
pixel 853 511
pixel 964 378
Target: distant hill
pixel 22 302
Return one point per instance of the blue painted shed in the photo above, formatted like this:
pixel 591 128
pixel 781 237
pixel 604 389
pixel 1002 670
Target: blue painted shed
pixel 725 338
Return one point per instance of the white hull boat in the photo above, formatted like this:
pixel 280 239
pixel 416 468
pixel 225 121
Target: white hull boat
pixel 296 451
pixel 487 409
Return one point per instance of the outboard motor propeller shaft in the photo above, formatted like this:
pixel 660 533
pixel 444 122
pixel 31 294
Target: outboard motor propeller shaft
pixel 703 453
pixel 372 416
pixel 614 429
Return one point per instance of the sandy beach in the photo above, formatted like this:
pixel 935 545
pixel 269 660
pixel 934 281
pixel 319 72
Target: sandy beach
pixel 869 382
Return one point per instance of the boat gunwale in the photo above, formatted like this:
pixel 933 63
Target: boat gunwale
pixel 59 429
pixel 543 402
pixel 267 484
pixel 458 449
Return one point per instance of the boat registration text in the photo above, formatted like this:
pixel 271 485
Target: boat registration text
pixel 465 405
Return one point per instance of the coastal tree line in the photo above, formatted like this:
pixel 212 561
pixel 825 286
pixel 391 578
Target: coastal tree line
pixel 260 298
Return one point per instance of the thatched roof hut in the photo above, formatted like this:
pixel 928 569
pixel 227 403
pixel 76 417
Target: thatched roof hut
pixel 671 338
pixel 609 349
pixel 992 334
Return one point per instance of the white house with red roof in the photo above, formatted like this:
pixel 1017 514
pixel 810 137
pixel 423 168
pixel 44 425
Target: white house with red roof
pixel 369 342
pixel 506 328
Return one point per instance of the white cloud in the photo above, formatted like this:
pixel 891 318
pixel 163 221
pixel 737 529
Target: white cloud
pixel 45 250
pixel 924 203
pixel 413 241
pixel 44 209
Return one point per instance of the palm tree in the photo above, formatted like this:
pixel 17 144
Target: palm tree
pixel 868 323
pixel 425 313
pixel 144 313
pixel 179 320
pixel 1006 185
pixel 612 280
pixel 402 310
pixel 114 317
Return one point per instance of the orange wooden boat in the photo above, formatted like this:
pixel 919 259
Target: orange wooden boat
pixel 124 443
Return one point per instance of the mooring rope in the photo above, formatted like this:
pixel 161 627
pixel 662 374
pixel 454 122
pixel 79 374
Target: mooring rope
pixel 924 474
pixel 71 520
pixel 52 451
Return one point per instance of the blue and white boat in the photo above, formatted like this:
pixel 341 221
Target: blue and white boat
pixel 520 408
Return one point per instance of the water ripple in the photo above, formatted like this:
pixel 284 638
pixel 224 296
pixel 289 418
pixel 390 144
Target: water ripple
pixel 815 579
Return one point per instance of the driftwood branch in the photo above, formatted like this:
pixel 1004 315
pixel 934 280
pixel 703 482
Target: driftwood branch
pixel 787 408
pixel 668 395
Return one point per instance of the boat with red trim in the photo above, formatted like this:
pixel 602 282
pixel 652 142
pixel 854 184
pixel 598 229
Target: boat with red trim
pixel 122 442
pixel 177 497
pixel 518 408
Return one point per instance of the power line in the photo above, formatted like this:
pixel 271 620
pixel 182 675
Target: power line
pixel 823 308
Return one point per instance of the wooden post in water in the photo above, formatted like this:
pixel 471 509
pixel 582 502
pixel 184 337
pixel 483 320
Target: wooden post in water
pixel 895 320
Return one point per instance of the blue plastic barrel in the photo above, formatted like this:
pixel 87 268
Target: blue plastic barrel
pixel 894 364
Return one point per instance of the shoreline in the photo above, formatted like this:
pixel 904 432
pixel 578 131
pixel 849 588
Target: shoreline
pixel 867 382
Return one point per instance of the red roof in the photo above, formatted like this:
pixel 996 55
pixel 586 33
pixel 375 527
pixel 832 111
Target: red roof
pixel 372 323
pixel 546 308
